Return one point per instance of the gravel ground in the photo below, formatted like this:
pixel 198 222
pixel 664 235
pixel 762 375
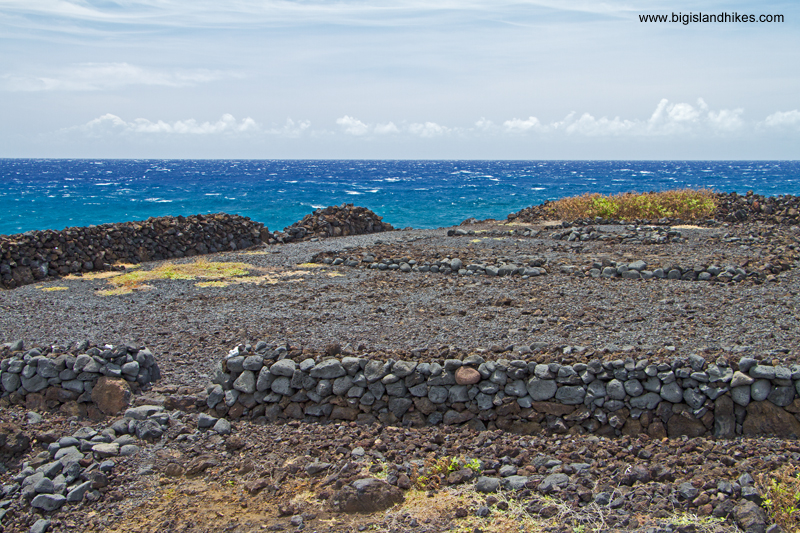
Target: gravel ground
pixel 379 312
pixel 386 314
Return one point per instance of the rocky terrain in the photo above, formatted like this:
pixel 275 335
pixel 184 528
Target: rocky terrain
pixel 210 470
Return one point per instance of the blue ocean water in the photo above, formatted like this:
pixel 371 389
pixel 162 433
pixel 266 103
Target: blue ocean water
pixel 54 194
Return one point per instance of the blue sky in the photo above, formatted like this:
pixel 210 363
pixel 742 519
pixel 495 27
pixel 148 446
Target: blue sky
pixel 485 79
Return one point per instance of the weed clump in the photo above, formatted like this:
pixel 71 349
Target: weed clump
pixel 686 204
pixel 781 490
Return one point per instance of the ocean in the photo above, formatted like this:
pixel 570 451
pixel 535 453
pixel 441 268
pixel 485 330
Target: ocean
pixel 40 194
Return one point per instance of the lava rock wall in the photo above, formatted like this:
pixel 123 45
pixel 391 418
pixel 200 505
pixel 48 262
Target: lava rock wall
pixel 100 378
pixel 35 255
pixel 334 221
pixel 690 396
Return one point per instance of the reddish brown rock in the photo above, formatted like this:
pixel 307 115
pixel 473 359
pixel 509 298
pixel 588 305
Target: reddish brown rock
pixel 552 408
pixel 368 496
pixel 679 425
pixel 344 413
pixel 12 439
pixel 111 395
pixel 766 418
pixel 35 402
pixel 466 375
pixel 656 430
pixel 632 427
pixel 200 464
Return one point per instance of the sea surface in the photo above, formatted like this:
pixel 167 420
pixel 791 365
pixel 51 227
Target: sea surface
pixel 54 194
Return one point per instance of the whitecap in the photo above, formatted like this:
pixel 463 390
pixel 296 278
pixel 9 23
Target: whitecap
pixel 158 200
pixel 353 192
pixel 537 188
pixel 318 206
pixel 213 194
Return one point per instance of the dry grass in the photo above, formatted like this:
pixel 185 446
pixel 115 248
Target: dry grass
pixel 781 489
pixel 52 289
pixel 686 204
pixel 136 280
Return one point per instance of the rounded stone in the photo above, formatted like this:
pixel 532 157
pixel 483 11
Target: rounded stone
pixel 467 376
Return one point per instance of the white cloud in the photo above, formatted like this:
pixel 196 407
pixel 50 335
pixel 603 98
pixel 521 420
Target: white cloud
pixel 428 129
pixel 593 127
pixel 516 125
pixel 352 126
pixel 384 129
pixel 668 119
pixel 291 128
pixel 726 120
pixel 109 123
pixel 783 119
pixel 104 76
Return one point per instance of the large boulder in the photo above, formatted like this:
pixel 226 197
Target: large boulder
pixel 368 495
pixel 111 395
pixel 766 418
pixel 750 517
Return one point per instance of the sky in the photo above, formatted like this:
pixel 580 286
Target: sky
pixel 404 79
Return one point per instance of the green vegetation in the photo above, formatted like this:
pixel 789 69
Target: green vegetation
pixel 686 204
pixel 781 489
pixel 130 281
pixel 433 472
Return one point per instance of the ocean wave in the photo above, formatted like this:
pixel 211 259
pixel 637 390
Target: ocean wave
pixel 354 192
pixel 157 200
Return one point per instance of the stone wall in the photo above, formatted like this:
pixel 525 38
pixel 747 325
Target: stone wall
pixel 35 255
pixel 688 396
pixel 333 221
pixel 77 381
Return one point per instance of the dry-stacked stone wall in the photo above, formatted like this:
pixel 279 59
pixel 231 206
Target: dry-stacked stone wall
pixel 334 221
pixel 75 381
pixel 688 396
pixel 534 267
pixel 35 255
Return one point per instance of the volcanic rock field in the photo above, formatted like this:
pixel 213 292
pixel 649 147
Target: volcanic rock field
pixel 521 375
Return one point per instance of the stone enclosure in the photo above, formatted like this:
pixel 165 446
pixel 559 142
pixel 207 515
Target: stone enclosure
pixel 689 396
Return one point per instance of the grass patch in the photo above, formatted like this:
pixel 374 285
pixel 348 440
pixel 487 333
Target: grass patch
pixel 136 280
pixel 203 284
pixel 686 204
pixel 311 265
pixel 52 289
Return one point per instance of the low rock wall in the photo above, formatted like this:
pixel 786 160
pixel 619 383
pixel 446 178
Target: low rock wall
pixel 28 257
pixel 689 396
pixel 333 221
pixel 79 382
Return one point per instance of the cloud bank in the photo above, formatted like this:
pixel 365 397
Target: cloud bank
pixel 669 120
pixel 112 124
